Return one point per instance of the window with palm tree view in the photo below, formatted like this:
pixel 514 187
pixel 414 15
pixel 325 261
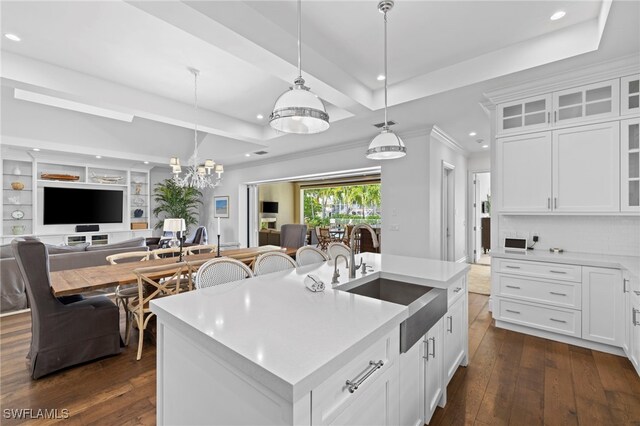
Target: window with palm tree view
pixel 342 205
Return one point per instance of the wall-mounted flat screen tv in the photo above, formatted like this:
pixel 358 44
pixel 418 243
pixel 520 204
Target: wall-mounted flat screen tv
pixel 269 207
pixel 71 206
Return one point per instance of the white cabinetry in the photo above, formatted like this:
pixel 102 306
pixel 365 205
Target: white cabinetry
pixel 455 332
pixel 630 94
pixel 412 385
pixel 602 306
pixel 586 168
pixel 524 172
pixel 433 360
pixel 630 165
pixel 598 100
pixel 634 324
pixel 17 197
pixel 568 170
pixel 527 114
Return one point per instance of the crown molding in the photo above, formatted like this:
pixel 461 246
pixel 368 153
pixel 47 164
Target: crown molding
pixel 448 141
pixel 606 70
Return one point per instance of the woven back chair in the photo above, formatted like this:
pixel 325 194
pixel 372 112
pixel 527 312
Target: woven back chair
pixel 273 261
pixel 154 282
pixel 338 248
pixel 324 237
pixel 209 273
pixel 125 293
pixel 165 252
pixel 308 255
pixel 201 248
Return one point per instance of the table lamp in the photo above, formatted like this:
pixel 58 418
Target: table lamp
pixel 175 226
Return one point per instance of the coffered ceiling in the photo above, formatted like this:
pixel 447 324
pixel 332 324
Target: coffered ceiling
pixel 131 58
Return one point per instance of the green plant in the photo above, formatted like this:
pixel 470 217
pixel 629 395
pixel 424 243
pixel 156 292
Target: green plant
pixel 176 202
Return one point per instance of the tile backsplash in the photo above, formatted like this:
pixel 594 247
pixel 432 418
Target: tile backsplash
pixel 616 235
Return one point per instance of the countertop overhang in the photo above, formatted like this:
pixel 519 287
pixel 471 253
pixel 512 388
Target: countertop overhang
pixel 289 338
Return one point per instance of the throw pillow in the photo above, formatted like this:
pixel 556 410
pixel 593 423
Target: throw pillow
pixel 54 249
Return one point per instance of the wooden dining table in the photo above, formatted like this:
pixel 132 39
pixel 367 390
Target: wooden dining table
pixel 82 280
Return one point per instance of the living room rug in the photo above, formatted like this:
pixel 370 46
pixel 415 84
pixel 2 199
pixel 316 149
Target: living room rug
pixel 480 279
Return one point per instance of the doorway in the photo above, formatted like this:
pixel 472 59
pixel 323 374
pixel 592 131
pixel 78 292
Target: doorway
pixel 482 218
pixel 448 212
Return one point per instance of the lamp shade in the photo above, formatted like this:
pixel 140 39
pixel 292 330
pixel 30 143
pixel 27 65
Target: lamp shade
pixel 299 111
pixel 386 146
pixel 219 168
pixel 174 225
pixel 175 161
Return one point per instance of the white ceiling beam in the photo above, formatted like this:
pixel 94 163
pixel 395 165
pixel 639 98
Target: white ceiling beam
pixel 28 74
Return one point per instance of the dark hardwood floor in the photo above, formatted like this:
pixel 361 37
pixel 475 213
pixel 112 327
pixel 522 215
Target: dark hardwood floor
pixel 511 379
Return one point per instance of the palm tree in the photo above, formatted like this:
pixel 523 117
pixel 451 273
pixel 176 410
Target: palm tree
pixel 176 202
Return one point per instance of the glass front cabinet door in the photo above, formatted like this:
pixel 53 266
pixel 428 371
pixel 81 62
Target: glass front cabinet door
pixel 584 103
pixel 524 115
pixel 630 95
pixel 630 165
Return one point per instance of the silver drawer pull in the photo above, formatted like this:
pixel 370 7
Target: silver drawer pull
pixel 457 289
pixel 353 385
pixel 512 267
pixel 513 312
pixel 557 272
pixel 557 320
pixel 433 340
pixel 635 314
pixel 557 294
pixel 513 286
pixel 637 292
pixel 450 328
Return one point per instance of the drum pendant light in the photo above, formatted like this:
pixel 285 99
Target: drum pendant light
pixel 387 145
pixel 298 110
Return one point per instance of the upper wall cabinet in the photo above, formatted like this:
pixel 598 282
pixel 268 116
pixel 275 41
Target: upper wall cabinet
pixel 578 105
pixel 630 165
pixel 630 94
pixel 527 114
pixel 599 100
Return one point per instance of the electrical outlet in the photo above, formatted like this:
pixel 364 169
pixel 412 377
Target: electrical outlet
pixel 394 227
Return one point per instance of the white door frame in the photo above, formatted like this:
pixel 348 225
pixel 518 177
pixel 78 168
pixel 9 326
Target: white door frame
pixel 471 212
pixel 253 219
pixel 447 214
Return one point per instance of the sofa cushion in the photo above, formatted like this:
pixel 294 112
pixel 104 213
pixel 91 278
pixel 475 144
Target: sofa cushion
pixel 134 242
pixel 54 249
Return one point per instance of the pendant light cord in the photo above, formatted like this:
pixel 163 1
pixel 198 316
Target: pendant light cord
pixel 386 78
pixel 299 39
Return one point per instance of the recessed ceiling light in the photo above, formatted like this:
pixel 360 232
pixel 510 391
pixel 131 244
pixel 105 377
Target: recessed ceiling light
pixel 381 77
pixel 98 156
pixel 259 116
pixel 12 37
pixel 485 146
pixel 558 15
pixel 472 133
pixel 247 155
pixel 36 149
pixel 146 162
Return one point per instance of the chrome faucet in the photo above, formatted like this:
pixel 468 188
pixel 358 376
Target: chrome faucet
pixel 336 273
pixel 352 244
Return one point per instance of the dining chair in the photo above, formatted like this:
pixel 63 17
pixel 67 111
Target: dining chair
pixel 162 253
pixel 338 248
pixel 125 293
pixel 293 235
pixel 200 249
pixel 324 237
pixel 209 273
pixel 62 335
pixel 346 237
pixel 154 282
pixel 273 261
pixel 308 255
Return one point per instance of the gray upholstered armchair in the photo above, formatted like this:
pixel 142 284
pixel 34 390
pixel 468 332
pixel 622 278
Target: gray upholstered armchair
pixel 293 235
pixel 63 334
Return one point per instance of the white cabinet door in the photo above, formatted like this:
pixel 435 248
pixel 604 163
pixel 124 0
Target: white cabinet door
pixel 627 316
pixel 634 349
pixel 584 103
pixel 630 94
pixel 524 115
pixel 433 369
pixel 454 338
pixel 586 173
pixel 411 385
pixel 524 172
pixel 630 165
pixel 602 305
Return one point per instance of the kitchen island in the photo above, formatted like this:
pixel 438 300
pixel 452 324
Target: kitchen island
pixel 268 351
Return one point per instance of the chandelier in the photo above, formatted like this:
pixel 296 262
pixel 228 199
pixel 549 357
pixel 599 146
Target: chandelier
pixel 299 110
pixel 197 175
pixel 387 145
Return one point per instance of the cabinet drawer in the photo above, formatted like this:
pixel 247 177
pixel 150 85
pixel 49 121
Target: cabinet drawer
pixel 556 320
pixel 456 290
pixel 555 271
pixel 565 294
pixel 333 396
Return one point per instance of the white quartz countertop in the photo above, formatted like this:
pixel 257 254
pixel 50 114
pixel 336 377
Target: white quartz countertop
pixel 289 338
pixel 630 263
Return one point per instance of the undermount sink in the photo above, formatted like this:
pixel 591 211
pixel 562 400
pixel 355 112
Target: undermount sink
pixel 426 305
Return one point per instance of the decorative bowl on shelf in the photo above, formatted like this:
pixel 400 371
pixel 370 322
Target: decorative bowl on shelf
pixel 138 213
pixel 17 229
pixel 18 186
pixel 137 201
